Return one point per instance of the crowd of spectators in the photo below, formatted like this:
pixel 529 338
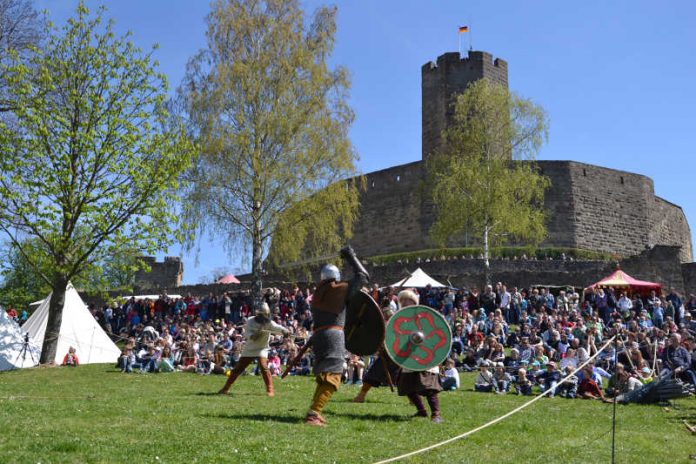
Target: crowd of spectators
pixel 518 340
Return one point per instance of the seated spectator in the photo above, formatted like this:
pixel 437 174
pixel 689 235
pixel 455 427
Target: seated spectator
pixel 150 360
pixel 526 350
pixel 523 385
pixel 549 379
pixel 468 362
pixel 219 361
pixel 569 360
pixel 645 375
pixel 588 388
pixel 189 360
pixel 450 376
pixel 568 388
pixel 501 379
pixel 166 360
pixel 70 358
pixel 274 362
pixel 512 362
pixel 621 382
pixel 126 360
pixel 676 361
pixel 484 380
pixel 354 370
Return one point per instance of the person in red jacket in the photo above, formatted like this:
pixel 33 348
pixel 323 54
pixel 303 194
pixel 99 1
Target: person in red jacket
pixel 70 359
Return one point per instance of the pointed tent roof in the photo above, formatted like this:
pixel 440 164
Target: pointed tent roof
pixel 228 279
pixel 12 355
pixel 78 329
pixel 418 279
pixel 619 279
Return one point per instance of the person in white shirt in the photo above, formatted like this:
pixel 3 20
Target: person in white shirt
pixel 450 379
pixel 259 329
pixel 625 305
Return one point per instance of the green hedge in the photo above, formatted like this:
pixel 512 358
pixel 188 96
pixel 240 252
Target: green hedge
pixel 508 252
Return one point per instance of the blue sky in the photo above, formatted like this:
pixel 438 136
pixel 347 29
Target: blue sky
pixel 617 78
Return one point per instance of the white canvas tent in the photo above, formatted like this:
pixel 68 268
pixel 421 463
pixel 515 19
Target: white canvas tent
pixel 12 355
pixel 78 329
pixel 418 279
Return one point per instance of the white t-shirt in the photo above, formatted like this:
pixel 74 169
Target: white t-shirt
pixel 255 347
pixel 453 373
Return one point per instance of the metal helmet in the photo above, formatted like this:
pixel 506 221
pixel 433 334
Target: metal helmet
pixel 329 271
pixel 263 310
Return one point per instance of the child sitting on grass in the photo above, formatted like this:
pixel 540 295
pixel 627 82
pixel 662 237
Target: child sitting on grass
pixel 569 387
pixel 523 385
pixel 70 358
pixel 484 381
pixel 450 377
pixel 501 379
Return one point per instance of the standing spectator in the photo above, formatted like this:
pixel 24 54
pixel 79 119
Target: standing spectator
pixel 487 300
pixel 676 300
pixel 506 305
pixel 624 305
pixel 602 305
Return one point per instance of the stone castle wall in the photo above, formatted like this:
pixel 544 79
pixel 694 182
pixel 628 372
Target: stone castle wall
pixel 587 206
pixel 668 226
pixel 165 275
pixel 657 265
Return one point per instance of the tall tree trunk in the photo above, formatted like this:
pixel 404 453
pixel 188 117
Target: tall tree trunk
pixel 486 251
pixel 256 265
pixel 55 318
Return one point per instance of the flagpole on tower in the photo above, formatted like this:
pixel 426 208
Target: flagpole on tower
pixel 460 31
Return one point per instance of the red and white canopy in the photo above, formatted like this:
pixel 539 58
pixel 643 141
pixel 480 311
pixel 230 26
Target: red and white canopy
pixel 228 279
pixel 619 279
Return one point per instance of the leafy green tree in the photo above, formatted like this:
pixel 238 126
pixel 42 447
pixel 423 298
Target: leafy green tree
pixel 20 283
pixel 272 122
pixel 91 166
pixel 20 31
pixel 485 178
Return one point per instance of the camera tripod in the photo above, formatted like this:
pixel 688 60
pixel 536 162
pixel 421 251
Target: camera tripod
pixel 23 352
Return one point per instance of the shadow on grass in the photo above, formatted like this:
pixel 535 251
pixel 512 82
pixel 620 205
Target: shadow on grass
pixel 373 417
pixel 257 417
pixel 370 401
pixel 231 394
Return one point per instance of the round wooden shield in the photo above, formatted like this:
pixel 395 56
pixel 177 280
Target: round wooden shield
pixel 418 338
pixel 364 329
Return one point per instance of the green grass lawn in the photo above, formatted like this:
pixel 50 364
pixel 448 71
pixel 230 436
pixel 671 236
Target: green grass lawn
pixel 96 414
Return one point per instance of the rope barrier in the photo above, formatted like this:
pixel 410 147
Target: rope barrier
pixel 498 419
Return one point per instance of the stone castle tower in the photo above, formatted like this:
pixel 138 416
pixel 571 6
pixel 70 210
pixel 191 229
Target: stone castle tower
pixel 588 207
pixel 443 80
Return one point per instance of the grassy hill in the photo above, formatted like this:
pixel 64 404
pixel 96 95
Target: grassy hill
pixel 95 414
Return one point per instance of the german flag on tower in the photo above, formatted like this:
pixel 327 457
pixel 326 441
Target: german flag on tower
pixel 463 29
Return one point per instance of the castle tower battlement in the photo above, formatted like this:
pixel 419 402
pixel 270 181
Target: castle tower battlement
pixel 447 77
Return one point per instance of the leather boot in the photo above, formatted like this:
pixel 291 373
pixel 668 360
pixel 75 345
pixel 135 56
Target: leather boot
pixel 268 380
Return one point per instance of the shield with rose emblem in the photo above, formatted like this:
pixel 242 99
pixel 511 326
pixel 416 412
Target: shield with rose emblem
pixel 418 338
